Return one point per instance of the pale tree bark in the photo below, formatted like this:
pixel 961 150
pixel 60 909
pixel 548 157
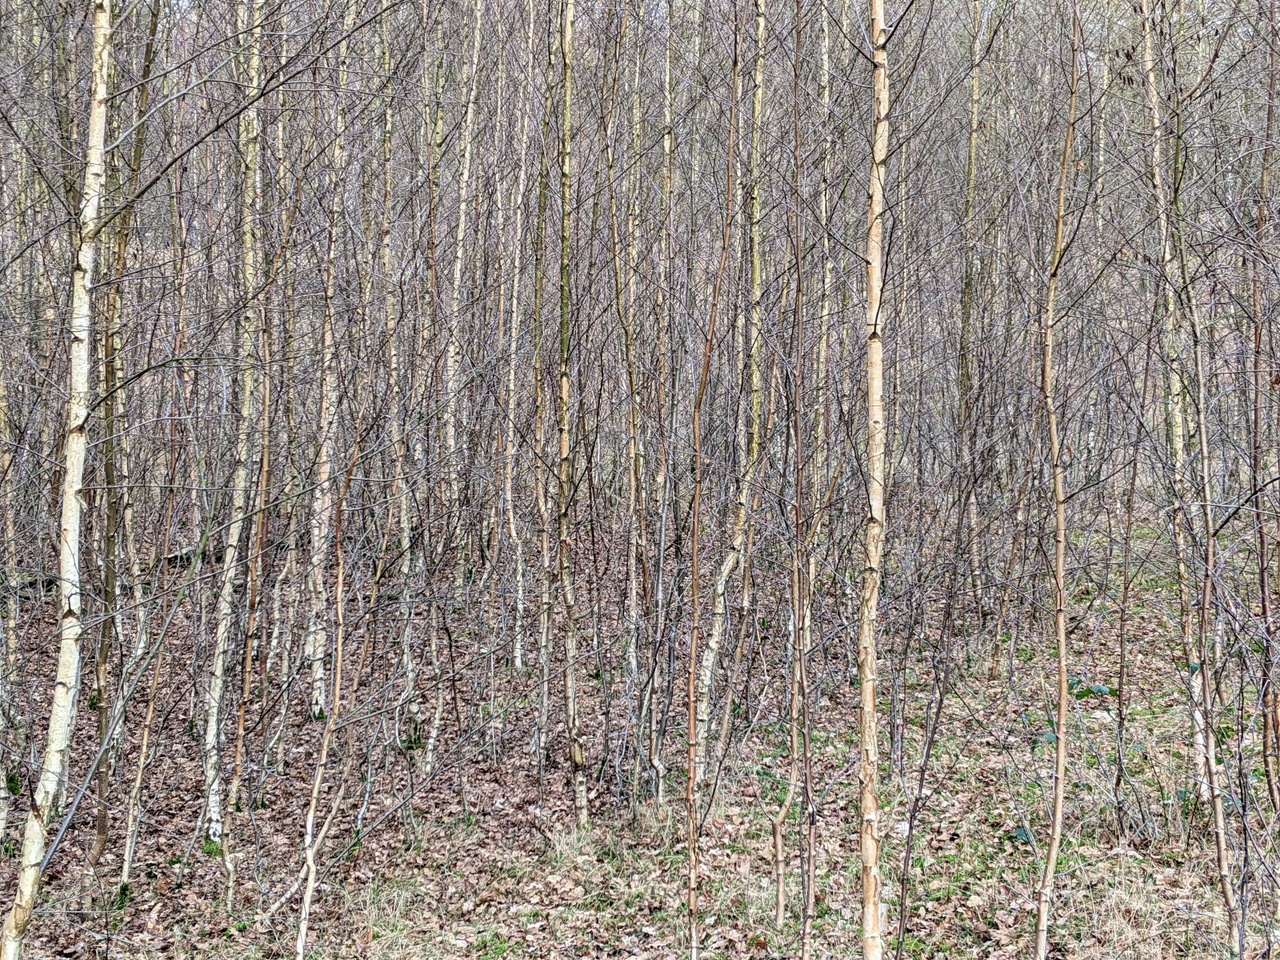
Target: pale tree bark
pixel 120 547
pixel 433 148
pixel 541 472
pixel 1044 893
pixel 623 258
pixel 869 761
pixel 819 475
pixel 9 724
pixel 803 557
pixel 749 440
pixel 317 637
pixel 509 441
pixel 315 833
pixel 1175 394
pixel 400 519
pixel 966 425
pixel 577 755
pixel 1221 852
pixel 697 725
pixel 649 717
pixel 751 428
pixel 1208 651
pixel 1270 701
pixel 251 194
pixel 224 616
pixel 10 598
pixel 284 596
pixel 70 626
pixel 452 385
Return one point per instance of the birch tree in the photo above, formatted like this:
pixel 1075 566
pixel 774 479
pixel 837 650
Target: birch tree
pixel 869 751
pixel 79 330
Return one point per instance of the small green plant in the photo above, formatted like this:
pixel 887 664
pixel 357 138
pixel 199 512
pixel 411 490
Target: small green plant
pixel 1080 690
pixel 413 740
pixel 492 946
pixel 357 842
pixel 13 783
pixel 212 848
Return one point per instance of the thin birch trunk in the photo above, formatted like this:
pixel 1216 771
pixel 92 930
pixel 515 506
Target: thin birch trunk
pixel 224 616
pixel 509 443
pixel 749 456
pixel 62 710
pixel 577 756
pixel 322 507
pixel 966 426
pixel 453 340
pixel 1175 397
pixel 1044 893
pixel 121 548
pixel 1270 701
pixel 869 768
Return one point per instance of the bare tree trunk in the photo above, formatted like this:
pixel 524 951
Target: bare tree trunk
pixel 513 351
pixel 1175 397
pixel 75 444
pixel 966 420
pixel 624 279
pixel 793 774
pixel 313 838
pixel 1044 895
pixel 400 520
pixel 1270 701
pixel 698 717
pixel 803 529
pixel 541 480
pixel 750 456
pixel 10 598
pixel 120 545
pixel 250 321
pixel 577 756
pixel 869 769
pixel 317 636
pixel 1207 659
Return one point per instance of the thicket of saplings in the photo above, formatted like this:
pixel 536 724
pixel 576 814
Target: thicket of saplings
pixel 638 411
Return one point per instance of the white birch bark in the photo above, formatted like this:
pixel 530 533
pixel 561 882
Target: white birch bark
pixel 70 627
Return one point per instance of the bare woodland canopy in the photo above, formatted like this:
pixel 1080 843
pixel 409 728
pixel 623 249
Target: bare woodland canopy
pixel 833 445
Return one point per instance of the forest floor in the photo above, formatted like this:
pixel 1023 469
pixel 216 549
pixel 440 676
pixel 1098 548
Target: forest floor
pixel 481 863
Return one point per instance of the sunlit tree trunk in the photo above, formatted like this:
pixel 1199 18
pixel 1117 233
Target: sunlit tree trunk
pixel 869 755
pixel 75 444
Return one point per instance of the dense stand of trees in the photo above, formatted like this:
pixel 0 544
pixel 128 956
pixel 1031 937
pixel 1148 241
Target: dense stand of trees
pixel 610 383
